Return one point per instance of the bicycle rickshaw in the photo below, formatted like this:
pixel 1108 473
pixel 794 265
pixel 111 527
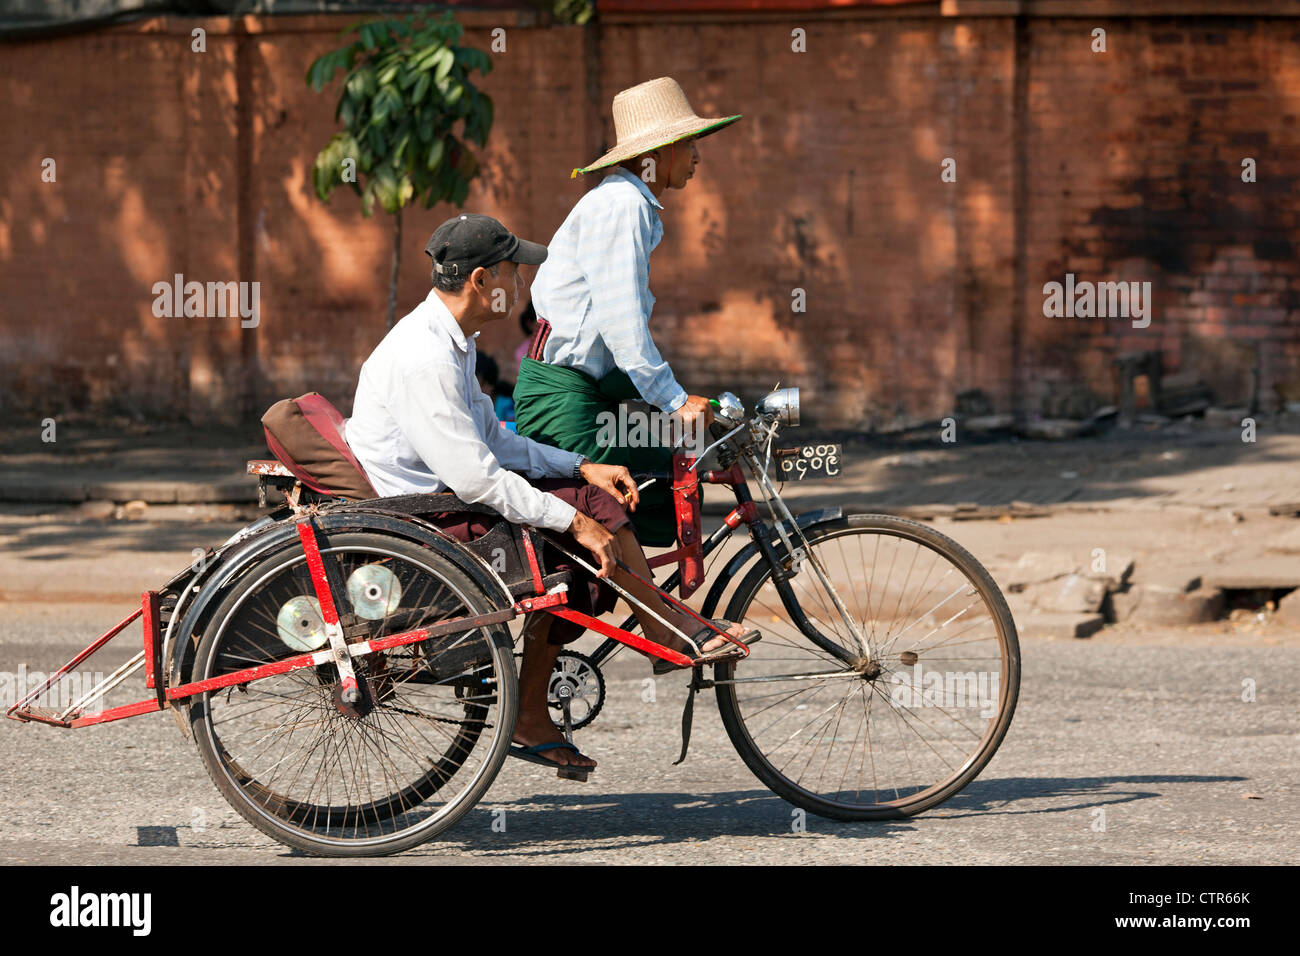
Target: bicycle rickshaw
pixel 346 670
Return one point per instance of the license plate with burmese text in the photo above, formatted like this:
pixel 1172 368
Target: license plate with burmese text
pixel 807 461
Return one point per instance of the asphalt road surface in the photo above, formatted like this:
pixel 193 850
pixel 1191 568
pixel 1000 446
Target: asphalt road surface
pixel 1139 750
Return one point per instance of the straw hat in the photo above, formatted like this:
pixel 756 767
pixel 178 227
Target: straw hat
pixel 650 115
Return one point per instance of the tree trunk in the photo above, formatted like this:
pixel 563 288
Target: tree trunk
pixel 397 264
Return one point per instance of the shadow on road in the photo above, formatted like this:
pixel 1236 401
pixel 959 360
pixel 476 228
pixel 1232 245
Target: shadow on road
pixel 623 821
pixel 997 797
pixel 604 822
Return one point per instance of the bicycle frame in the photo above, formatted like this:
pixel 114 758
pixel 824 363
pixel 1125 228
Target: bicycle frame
pixel 689 556
pixel 693 549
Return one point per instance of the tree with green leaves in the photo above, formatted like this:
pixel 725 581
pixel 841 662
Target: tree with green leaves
pixel 406 87
pixel 571 11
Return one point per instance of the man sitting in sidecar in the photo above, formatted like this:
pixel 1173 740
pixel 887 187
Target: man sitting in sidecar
pixel 421 423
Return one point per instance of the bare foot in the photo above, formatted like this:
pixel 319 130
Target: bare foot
pixel 716 643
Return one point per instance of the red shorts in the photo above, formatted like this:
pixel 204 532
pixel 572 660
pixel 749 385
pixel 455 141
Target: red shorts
pixel 586 594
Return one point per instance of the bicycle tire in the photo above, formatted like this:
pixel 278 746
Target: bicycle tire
pixel 739 609
pixel 280 817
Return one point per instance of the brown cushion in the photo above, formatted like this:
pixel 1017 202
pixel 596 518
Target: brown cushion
pixel 306 435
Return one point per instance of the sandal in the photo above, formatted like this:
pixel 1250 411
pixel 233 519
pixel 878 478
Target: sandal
pixel 563 771
pixel 705 634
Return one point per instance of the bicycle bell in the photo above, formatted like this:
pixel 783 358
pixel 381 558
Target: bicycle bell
pixel 729 409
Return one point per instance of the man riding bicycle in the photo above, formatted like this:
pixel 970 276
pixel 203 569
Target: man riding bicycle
pixel 593 348
pixel 421 423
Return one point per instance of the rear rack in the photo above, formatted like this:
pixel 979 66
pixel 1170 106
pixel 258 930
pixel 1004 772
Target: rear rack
pixel 272 474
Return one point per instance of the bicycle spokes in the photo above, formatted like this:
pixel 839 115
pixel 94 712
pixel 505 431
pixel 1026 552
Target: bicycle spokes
pixel 913 719
pixel 353 770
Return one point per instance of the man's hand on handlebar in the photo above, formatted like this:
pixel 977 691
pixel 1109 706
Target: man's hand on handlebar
pixel 695 407
pixel 593 536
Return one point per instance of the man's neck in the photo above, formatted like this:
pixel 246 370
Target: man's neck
pixel 656 186
pixel 461 311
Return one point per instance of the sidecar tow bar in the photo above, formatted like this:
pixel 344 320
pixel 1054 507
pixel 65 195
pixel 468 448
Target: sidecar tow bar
pixel 74 716
pixel 25 710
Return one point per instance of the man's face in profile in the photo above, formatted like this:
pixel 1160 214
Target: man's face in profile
pixel 501 291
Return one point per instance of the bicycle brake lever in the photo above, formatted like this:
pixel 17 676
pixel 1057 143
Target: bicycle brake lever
pixel 702 454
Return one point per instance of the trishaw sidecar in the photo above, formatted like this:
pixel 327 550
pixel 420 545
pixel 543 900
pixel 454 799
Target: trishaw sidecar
pixel 273 649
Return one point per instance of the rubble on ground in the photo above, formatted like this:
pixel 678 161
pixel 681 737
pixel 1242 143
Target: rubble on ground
pixel 1072 594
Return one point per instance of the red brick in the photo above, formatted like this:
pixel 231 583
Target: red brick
pixel 1139 177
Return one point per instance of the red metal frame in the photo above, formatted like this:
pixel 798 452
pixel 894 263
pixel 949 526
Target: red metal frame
pixel 320 583
pixel 319 580
pixel 689 557
pixel 19 710
pixel 686 504
pixel 149 624
pixel 622 636
pixel 533 565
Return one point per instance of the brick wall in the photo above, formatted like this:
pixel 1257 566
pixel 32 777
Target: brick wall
pixel 1135 173
pixel 1117 165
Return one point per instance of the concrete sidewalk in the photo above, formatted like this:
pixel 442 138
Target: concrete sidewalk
pixel 1194 523
pixel 157 465
pixel 1178 465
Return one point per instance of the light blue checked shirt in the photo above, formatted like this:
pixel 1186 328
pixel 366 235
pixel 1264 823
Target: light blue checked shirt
pixel 594 289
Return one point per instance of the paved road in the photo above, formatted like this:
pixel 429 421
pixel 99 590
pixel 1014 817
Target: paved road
pixel 1147 732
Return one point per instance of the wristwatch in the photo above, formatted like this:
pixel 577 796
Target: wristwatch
pixel 577 465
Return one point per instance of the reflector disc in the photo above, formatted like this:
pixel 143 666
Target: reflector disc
pixel 300 625
pixel 374 592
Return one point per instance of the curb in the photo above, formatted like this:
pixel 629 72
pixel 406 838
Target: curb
pixel 225 491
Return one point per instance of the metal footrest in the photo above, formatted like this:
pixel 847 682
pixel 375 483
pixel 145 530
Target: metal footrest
pixel 44 715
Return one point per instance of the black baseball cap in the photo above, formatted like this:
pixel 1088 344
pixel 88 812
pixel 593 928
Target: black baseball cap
pixel 465 242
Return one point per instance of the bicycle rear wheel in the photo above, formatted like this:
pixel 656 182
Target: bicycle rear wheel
pixel 902 733
pixel 422 747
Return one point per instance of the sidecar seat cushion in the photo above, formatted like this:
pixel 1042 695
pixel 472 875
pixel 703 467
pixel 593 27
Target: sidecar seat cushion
pixel 306 435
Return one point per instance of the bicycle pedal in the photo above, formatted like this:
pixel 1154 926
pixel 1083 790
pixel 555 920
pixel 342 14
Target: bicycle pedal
pixel 579 774
pixel 731 653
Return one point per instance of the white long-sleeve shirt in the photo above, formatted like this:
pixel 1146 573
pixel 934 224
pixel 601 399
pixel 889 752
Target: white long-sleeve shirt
pixel 594 289
pixel 421 423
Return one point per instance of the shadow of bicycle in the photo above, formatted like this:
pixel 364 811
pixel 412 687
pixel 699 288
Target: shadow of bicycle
pixel 566 824
pixel 1010 795
pixel 597 824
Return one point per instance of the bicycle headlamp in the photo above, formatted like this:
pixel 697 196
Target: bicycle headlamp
pixel 783 405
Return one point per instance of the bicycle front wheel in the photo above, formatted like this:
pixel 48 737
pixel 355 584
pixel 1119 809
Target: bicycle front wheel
pixel 925 708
